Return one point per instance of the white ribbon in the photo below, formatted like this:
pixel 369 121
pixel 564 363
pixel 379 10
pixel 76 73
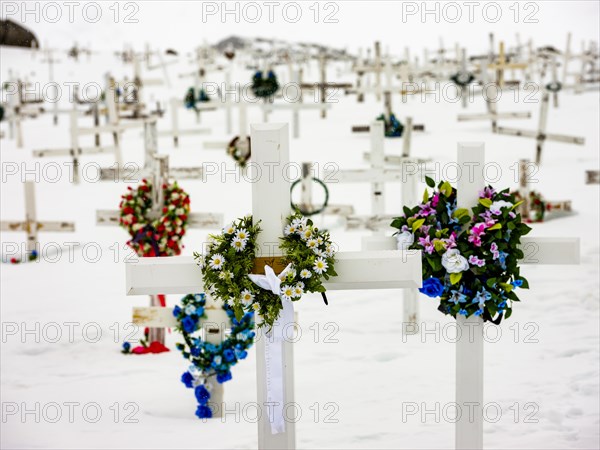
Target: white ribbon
pixel 274 348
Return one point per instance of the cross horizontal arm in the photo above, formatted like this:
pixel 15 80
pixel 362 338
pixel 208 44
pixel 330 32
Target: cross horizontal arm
pixel 41 226
pixel 487 116
pixel 69 151
pixel 364 176
pixel 160 317
pixel 357 270
pixel 537 134
pixel 106 217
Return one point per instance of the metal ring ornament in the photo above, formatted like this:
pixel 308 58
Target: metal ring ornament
pixel 318 210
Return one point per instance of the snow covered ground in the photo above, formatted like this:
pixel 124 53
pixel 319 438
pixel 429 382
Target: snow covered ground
pixel 359 382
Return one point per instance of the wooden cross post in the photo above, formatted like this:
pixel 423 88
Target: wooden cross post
pixel 540 135
pixel 469 346
pixel 324 86
pixel 175 130
pixel 30 225
pixel 501 65
pixel 356 270
pixel 492 113
pixel 469 350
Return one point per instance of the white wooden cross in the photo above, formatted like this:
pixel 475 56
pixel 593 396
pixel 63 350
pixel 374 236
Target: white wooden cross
pixel 130 172
pixel 31 225
pixel 501 65
pixel 375 67
pixel 470 334
pixel 492 108
pixel 176 132
pixel 114 126
pixel 356 270
pixel 17 108
pixel 463 75
pixel 296 104
pixel 541 135
pixel 160 175
pixel 133 89
pixel 323 86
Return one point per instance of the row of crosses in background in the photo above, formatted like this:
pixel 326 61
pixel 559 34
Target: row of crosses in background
pixel 369 269
pixel 19 105
pixel 115 125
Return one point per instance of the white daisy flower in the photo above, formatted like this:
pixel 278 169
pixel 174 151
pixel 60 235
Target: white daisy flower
pixel 238 244
pixel 330 250
pixel 229 229
pixel 320 240
pixel 255 306
pixel 312 243
pixel 217 261
pixel 287 292
pixel 298 290
pixel 242 234
pixel 305 274
pixel 320 265
pixel 224 275
pixel 289 229
pixel 299 223
pixel 247 297
pixel 306 234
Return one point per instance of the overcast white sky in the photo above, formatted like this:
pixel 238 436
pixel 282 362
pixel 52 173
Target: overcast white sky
pixel 347 24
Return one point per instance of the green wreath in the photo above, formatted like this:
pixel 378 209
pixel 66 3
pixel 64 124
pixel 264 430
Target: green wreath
pixel 239 155
pixel 316 211
pixel 462 79
pixel 308 259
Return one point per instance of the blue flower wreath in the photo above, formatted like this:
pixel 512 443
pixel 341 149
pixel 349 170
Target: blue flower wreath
pixel 264 87
pixel 208 359
pixel 393 127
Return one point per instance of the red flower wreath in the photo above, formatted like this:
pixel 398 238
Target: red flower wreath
pixel 160 236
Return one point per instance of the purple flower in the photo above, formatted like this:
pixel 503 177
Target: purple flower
pixel 426 210
pixel 494 250
pixel 488 192
pixel 427 244
pixel 475 261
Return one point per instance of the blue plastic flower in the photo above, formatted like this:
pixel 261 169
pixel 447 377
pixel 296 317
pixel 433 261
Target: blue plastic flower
pixel 189 324
pixel 203 412
pixel 463 312
pixel 195 351
pixel 517 283
pixel 479 312
pixel 202 394
pixel 457 297
pixel 187 379
pixel 481 297
pixel 432 287
pixel 224 376
pixel 229 355
pixel 126 346
pixel 241 354
pixel 502 304
pixel 176 311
